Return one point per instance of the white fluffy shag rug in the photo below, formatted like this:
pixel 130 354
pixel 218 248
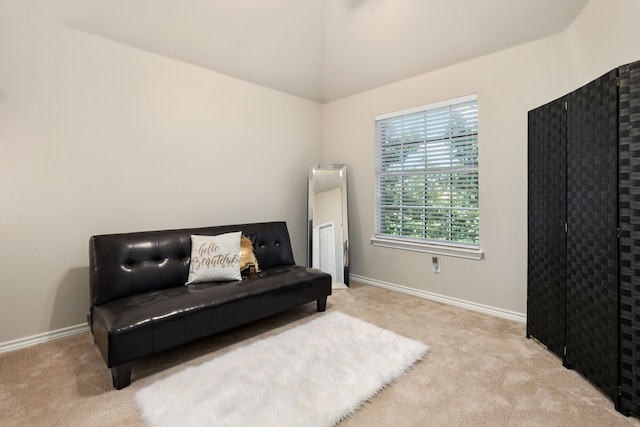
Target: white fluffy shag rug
pixel 312 375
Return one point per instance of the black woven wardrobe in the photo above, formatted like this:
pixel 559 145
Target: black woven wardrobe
pixel 583 293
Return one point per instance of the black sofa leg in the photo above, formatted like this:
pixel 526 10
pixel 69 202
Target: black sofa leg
pixel 121 376
pixel 322 304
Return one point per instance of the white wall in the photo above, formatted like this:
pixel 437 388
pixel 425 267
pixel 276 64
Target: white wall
pixel 508 84
pixel 97 137
pixel 605 36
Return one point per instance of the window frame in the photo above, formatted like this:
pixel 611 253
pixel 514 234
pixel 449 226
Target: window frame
pixel 438 247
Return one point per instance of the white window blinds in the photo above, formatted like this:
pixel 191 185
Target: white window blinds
pixel 427 174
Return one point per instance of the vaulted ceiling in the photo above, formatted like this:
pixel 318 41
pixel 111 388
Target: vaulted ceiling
pixel 317 49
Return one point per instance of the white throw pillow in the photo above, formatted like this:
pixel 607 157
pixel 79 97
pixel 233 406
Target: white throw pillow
pixel 215 258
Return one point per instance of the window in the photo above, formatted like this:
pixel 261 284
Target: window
pixel 427 178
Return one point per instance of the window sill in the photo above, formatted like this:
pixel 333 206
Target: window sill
pixel 460 252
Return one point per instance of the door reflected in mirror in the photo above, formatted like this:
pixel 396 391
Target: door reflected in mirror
pixel 328 230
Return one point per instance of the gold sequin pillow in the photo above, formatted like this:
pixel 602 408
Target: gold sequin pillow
pixel 248 261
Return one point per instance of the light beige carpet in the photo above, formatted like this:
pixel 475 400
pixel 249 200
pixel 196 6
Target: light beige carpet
pixel 481 371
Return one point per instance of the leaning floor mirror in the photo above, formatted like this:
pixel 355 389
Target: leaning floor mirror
pixel 328 230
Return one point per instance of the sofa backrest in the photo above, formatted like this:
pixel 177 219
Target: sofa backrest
pixel 126 264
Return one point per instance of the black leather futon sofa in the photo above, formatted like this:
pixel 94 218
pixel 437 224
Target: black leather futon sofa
pixel 140 304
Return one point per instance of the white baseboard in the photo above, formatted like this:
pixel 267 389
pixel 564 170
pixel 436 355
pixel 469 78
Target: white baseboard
pixel 469 305
pixel 44 337
pixel 493 311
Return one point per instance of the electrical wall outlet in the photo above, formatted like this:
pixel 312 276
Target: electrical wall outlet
pixel 436 264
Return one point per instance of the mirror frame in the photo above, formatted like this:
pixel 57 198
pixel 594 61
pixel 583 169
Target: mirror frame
pixel 322 178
